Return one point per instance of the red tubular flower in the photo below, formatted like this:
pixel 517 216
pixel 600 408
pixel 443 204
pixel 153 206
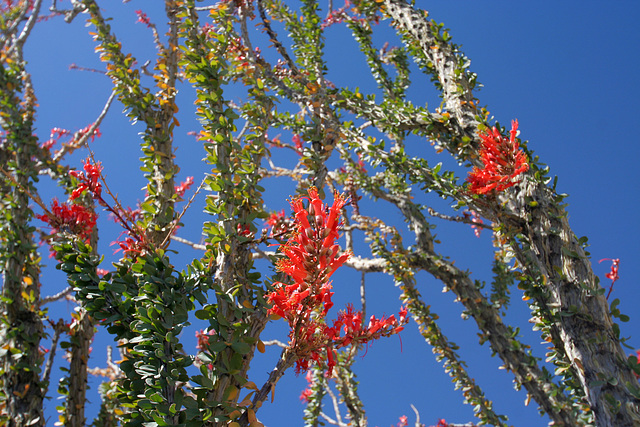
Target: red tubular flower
pixel 308 260
pixel 503 162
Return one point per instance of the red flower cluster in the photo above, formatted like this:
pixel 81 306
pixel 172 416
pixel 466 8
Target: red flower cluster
pixel 615 265
pixel 311 257
pixel 279 224
pixel 58 133
pixel 143 18
pixel 184 186
pixel 203 338
pixel 297 141
pixel 73 218
pixel 613 274
pixel 307 392
pixel 130 246
pixel 88 181
pixel 403 422
pixel 503 161
pixel 350 322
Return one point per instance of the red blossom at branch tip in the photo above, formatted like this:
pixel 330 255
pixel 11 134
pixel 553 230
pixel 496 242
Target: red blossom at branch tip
pixel 503 162
pixel 404 421
pixel 278 223
pixel 184 186
pixel 88 180
pixel 58 133
pixel 143 18
pixel 297 141
pixel 310 258
pixel 613 274
pixel 305 396
pixel 130 246
pixel 203 338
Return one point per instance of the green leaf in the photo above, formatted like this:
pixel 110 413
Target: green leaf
pixel 240 347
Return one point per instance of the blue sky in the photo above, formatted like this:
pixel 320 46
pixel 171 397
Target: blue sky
pixel 566 70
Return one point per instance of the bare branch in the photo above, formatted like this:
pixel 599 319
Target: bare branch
pixel 417 424
pixel 336 407
pixel 58 328
pixel 22 38
pixel 275 342
pixel 462 219
pixel 56 297
pixel 69 14
pixel 189 243
pixel 179 217
pixel 287 359
pixel 82 141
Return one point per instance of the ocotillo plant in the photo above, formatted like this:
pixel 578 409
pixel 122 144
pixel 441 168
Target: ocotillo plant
pixel 258 75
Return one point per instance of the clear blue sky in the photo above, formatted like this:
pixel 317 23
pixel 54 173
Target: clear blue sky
pixel 566 70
